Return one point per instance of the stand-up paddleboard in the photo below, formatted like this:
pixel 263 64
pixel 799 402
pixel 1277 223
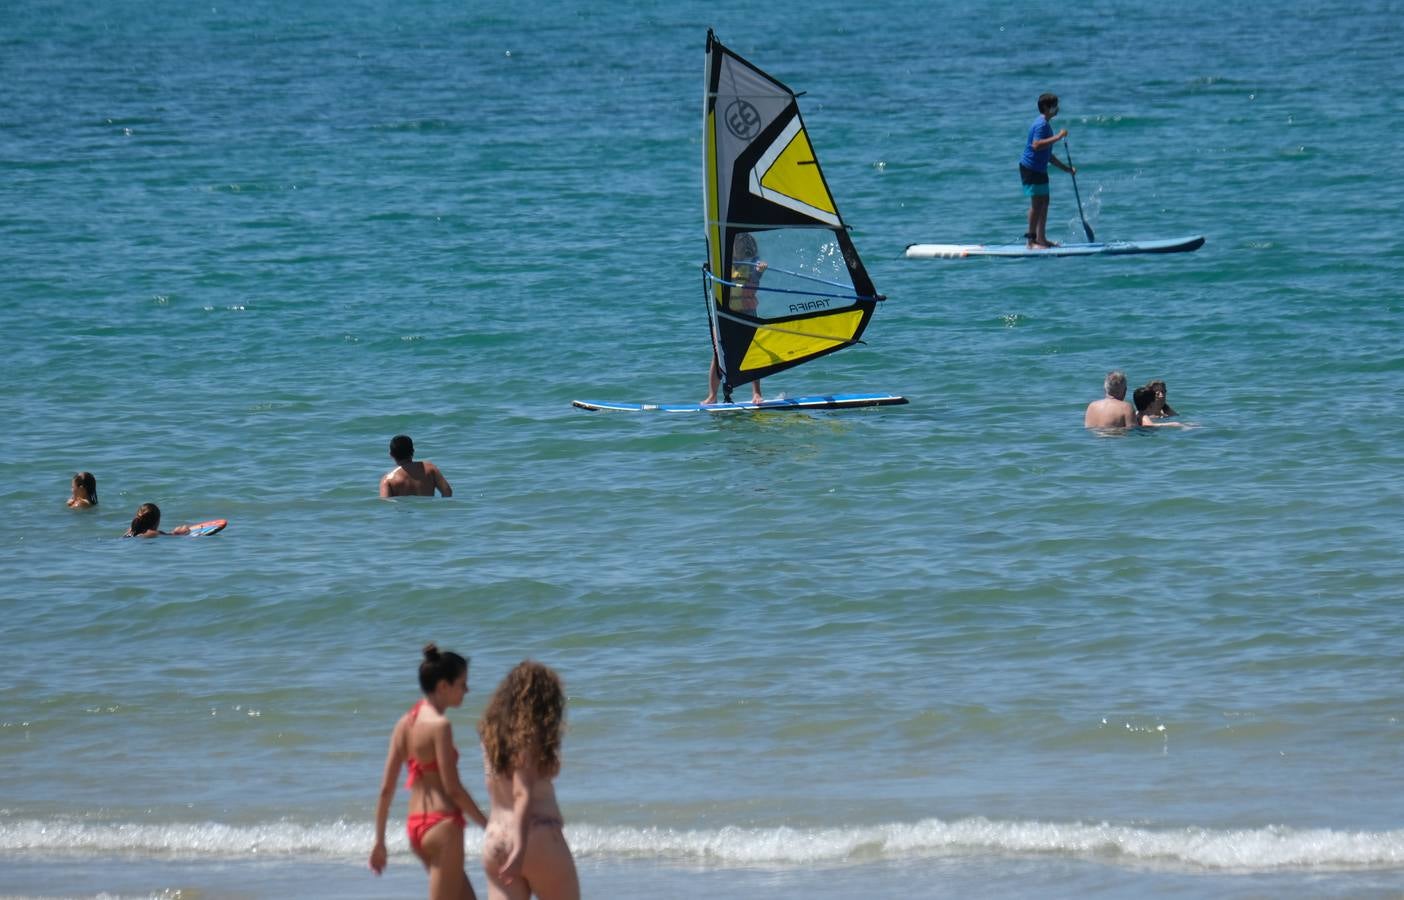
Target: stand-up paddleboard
pixel 213 526
pixel 818 401
pixel 1016 251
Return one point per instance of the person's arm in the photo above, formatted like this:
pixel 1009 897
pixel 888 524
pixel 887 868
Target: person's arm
pixel 440 482
pixel 181 529
pixel 385 486
pixel 1062 165
pixel 448 770
pixel 523 783
pixel 394 759
pixel 1040 143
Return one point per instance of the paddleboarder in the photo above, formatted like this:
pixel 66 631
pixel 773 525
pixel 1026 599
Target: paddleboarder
pixel 1033 169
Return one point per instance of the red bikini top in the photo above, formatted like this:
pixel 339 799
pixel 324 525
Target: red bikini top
pixel 417 768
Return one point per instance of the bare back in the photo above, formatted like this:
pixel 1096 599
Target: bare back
pixel 414 479
pixel 1110 413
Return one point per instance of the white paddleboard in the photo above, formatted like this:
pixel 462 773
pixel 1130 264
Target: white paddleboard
pixel 1016 251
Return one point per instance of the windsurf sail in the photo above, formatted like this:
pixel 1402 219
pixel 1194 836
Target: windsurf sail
pixel 783 281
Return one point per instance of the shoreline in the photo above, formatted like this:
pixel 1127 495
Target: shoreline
pixel 994 875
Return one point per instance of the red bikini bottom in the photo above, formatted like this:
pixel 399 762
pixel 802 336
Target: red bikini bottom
pixel 418 824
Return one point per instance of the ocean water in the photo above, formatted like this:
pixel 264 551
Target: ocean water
pixel 962 647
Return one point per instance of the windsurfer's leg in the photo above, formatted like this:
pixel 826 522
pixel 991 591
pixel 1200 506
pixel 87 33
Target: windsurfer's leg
pixel 756 391
pixel 1031 236
pixel 713 382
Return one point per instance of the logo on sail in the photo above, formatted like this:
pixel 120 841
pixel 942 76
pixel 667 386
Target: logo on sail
pixel 742 119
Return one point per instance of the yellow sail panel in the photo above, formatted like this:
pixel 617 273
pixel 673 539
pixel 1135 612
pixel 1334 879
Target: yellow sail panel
pixel 794 174
pixel 709 190
pixel 788 341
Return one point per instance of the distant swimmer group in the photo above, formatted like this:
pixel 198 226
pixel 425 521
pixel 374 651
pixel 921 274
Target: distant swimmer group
pixel 411 478
pixel 1112 411
pixel 146 523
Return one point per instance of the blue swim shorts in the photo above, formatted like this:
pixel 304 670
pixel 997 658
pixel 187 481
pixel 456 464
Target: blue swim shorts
pixel 1035 183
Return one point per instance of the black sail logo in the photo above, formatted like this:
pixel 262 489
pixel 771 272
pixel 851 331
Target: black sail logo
pixel 742 119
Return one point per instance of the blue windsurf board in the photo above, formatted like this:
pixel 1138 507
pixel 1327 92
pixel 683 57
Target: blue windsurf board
pixel 817 401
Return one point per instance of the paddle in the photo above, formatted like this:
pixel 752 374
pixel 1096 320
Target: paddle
pixel 1085 227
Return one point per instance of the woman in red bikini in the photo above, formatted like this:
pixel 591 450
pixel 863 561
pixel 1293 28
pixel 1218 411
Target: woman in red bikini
pixel 423 739
pixel 524 850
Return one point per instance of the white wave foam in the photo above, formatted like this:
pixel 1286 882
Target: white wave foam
pixel 1259 849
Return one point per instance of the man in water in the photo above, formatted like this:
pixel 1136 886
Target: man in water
pixel 1112 411
pixel 410 478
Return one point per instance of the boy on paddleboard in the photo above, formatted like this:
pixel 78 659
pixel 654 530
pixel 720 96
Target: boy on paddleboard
pixel 1033 169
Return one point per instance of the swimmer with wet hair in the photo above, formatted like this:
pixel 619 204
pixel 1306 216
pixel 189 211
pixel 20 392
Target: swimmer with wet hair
pixel 147 523
pixel 84 491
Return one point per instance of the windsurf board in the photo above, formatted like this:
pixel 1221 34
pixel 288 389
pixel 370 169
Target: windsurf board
pixel 817 401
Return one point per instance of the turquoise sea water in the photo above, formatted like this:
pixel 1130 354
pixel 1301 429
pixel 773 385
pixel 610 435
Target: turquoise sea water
pixel 961 647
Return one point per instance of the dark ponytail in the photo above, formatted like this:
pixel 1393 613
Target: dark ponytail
pixel 147 518
pixel 439 666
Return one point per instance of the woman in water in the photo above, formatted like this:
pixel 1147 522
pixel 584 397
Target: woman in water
pixel 1151 405
pixel 524 850
pixel 84 491
pixel 147 523
pixel 423 738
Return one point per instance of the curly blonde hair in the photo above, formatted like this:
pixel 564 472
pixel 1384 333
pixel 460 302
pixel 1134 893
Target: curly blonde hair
pixel 523 721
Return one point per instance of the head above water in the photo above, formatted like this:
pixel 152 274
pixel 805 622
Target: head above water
pixel 1150 392
pixel 85 485
pixel 439 666
pixel 1115 384
pixel 147 518
pixel 1047 103
pixel 402 448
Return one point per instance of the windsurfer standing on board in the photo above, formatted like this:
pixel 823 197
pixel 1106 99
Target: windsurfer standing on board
pixel 746 269
pixel 410 478
pixel 1033 170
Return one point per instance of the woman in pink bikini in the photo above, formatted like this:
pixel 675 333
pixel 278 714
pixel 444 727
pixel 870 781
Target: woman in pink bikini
pixel 423 739
pixel 524 850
